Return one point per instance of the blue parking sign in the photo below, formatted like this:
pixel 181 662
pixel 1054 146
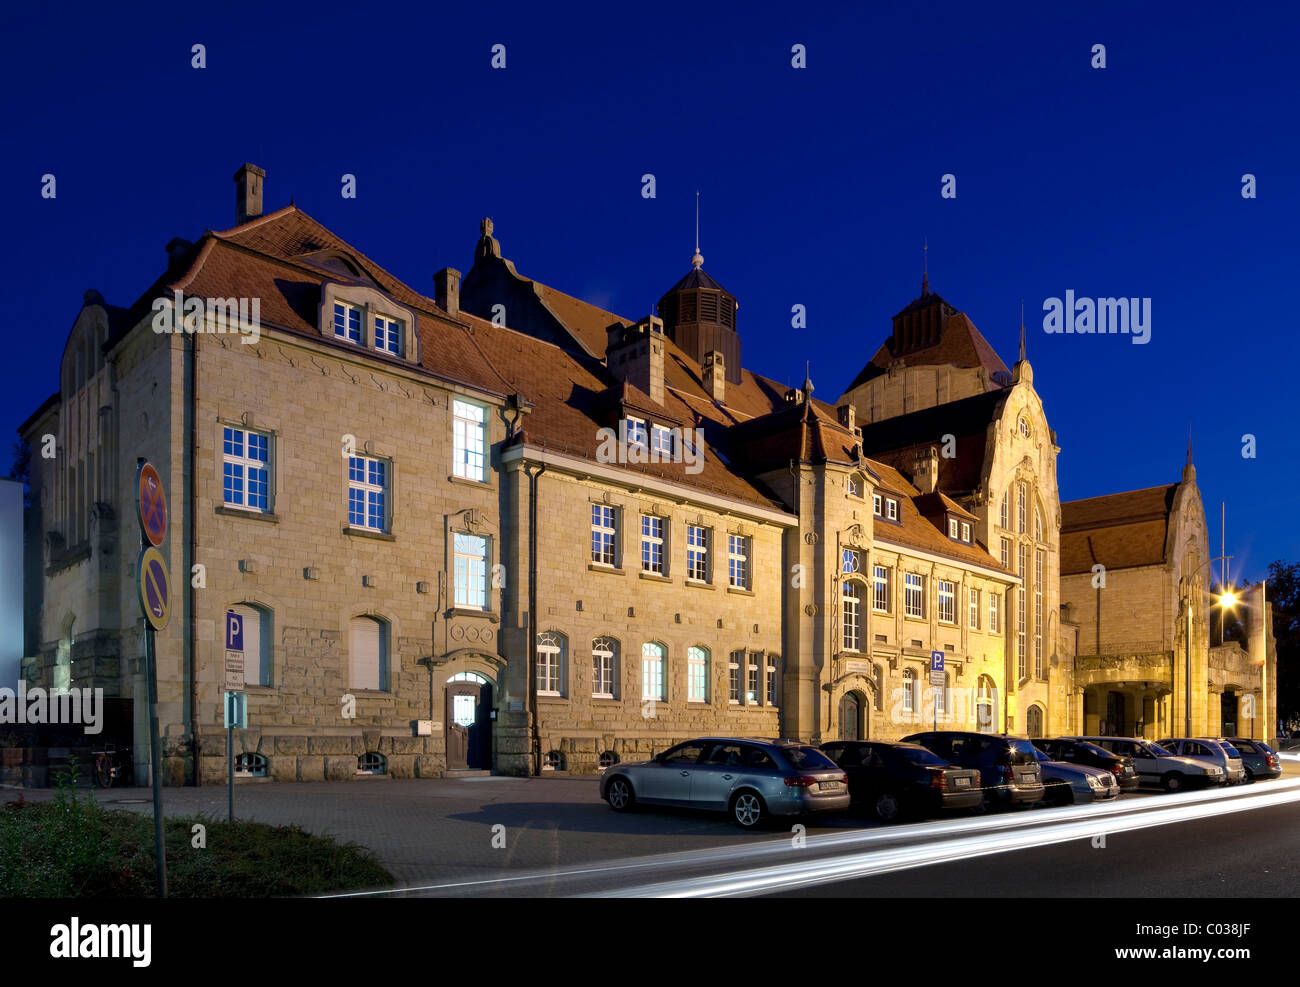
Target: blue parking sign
pixel 936 661
pixel 234 631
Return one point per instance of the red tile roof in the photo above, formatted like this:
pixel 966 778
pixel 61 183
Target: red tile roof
pixel 1119 530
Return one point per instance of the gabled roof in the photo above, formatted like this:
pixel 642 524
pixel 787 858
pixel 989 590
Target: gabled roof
pixel 696 278
pixel 1119 530
pixel 960 344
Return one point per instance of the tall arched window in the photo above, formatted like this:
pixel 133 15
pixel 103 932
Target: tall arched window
pixel 985 716
pixel 909 693
pixel 257 627
pixel 368 653
pixel 604 668
pixel 1022 496
pixel 1038 523
pixel 697 674
pixel 1004 512
pixel 552 655
pixel 653 658
pixel 851 604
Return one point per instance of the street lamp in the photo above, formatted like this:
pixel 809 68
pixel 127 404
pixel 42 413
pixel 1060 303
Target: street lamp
pixel 1227 600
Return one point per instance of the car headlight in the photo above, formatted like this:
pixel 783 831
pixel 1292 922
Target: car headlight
pixel 1211 771
pixel 1094 781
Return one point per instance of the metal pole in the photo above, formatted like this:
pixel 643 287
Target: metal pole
pixel 230 758
pixel 155 762
pixel 1187 677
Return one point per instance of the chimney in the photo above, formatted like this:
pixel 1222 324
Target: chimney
pixel 925 470
pixel 636 354
pixel 176 248
pixel 715 375
pixel 248 193
pixel 848 416
pixel 446 290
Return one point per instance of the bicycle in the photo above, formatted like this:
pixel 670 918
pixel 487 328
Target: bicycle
pixel 112 765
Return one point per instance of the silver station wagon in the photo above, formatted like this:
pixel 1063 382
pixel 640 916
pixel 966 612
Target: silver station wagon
pixel 749 779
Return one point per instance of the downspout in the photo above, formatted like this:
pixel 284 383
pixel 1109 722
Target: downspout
pixel 794 473
pixel 189 550
pixel 535 733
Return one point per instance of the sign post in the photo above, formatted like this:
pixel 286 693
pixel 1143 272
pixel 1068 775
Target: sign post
pixel 937 681
pixel 235 709
pixel 154 584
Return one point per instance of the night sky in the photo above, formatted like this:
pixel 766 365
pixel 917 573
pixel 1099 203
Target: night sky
pixel 818 185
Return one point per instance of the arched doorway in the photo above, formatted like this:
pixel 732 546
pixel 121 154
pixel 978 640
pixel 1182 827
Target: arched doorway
pixel 985 705
pixel 1228 712
pixel 469 722
pixel 1034 721
pixel 852 726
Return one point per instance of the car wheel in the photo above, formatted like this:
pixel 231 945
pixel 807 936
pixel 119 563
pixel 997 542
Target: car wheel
pixel 619 795
pixel 747 810
pixel 1250 777
pixel 885 807
pixel 1060 794
pixel 1173 782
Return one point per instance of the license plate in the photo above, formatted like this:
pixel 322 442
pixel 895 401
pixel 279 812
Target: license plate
pixel 961 782
pixel 828 785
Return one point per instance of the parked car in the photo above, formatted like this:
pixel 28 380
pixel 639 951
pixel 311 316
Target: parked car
pixel 890 780
pixel 1070 784
pixel 1211 751
pixel 1092 756
pixel 1157 766
pixel 749 779
pixel 1259 760
pixel 1008 766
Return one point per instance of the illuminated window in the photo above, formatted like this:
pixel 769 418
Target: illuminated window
pixel 604 668
pixel 388 335
pixel 974 609
pixel 947 602
pixel 697 675
pixel 653 657
pixel 244 469
pixel 468 429
pixel 347 322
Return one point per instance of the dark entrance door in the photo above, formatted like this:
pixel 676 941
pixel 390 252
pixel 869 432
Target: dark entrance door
pixel 850 713
pixel 1228 710
pixel 469 726
pixel 1116 718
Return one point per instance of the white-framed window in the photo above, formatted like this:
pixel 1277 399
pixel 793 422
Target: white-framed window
pixel 653 658
pixel 854 486
pixel 952 527
pixel 913 594
pixel 1023 425
pixel 347 321
pixel 751 679
pixel 995 612
pixel 947 602
pixel 909 691
pixel 552 652
pixel 1021 653
pixel 469 567
pixel 1004 515
pixel 965 531
pixel 661 442
pixel 880 579
pixel 604 534
pixel 876 501
pixel 734 662
pixel 245 469
pixel 604 668
pixel 257 630
pixel 738 561
pixel 851 606
pixel 697 675
pixel 636 432
pixel 984 721
pixel 368 493
pixel 974 608
pixel 368 647
pixel 1005 552
pixel 772 680
pixel 388 334
pixel 468 428
pixel 850 560
pixel 697 553
pixel 891 509
pixel 1038 612
pixel 652 544
pixel 1021 499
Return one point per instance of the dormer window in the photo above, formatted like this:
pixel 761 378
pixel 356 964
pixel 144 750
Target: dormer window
pixel 661 441
pixel 347 322
pixel 388 335
pixel 965 532
pixel 891 509
pixel 952 527
pixel 876 500
pixel 636 432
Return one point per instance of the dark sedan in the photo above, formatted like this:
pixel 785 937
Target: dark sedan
pixel 1259 760
pixel 890 780
pixel 1092 756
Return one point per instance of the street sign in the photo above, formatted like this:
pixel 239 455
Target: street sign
pixel 234 652
pixel 152 504
pixel 936 668
pixel 236 710
pixel 155 588
pixel 234 631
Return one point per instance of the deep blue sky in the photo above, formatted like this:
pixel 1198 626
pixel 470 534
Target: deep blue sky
pixel 818 185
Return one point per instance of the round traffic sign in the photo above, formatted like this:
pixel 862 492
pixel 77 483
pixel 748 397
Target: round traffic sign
pixel 152 502
pixel 155 588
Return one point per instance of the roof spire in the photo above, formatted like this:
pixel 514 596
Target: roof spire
pixel 807 380
pixel 1022 328
pixel 698 260
pixel 1189 445
pixel 925 267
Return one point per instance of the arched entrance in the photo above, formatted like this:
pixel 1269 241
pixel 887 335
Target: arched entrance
pixel 1034 721
pixel 1229 712
pixel 852 725
pixel 469 722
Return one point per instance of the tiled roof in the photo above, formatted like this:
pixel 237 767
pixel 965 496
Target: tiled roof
pixel 587 322
pixel 1119 530
pixel 696 278
pixel 960 344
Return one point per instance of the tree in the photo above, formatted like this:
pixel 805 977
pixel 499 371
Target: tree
pixel 1284 595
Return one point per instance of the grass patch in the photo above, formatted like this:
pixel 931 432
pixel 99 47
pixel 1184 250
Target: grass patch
pixel 71 847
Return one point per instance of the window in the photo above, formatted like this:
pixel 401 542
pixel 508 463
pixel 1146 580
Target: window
pixel 952 527
pixel 947 601
pixel 995 612
pixel 1023 425
pixel 257 643
pixel 733 676
pixel 347 322
pixel 603 532
pixel 909 690
pixel 913 595
pixel 388 335
pixel 250 765
pixel 552 648
pixel 1020 507
pixel 244 457
pixel 854 486
pixel 751 680
pixel 652 544
pixel 771 679
pixel 1021 655
pixel 941 698
pixel 880 577
pixel 1006 552
pixel 470 570
pixel 1004 517
pixel 875 504
pixel 372 763
pixel 604 668
pixel 852 607
pixel 1038 613
pixel 974 609
pixel 965 532
pixel 891 509
pixel 1038 523
pixel 368 493
pixel 984 704
pixel 468 422
pixel 738 561
pixel 652 671
pixel 697 675
pixel 661 441
pixel 636 435
pixel 368 653
pixel 878 679
pixel 697 553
